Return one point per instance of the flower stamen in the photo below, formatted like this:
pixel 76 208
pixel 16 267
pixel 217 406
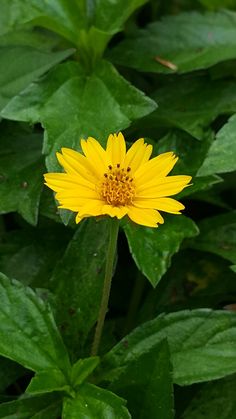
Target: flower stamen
pixel 117 189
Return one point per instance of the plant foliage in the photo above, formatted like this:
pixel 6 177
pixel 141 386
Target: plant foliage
pixel 165 71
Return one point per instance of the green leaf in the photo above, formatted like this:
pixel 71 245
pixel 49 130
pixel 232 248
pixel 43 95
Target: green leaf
pixel 83 266
pixel 32 407
pixel 48 381
pixel 21 171
pixel 30 37
pixel 202 345
pixel 30 254
pixel 213 399
pixel 195 279
pixel 93 402
pixel 221 155
pixel 110 16
pixel 88 26
pixel 191 104
pixel 82 369
pixel 152 249
pixel 68 18
pixel 24 64
pixel 218 4
pixel 58 15
pixel 218 235
pixel 28 332
pixel 191 41
pixel 146 383
pixel 85 97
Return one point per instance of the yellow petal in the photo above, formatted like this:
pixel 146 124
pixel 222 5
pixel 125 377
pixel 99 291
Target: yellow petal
pixel 155 168
pixel 146 217
pixel 162 204
pixel 74 163
pixel 137 155
pixel 116 149
pixel 63 181
pixel 76 205
pixel 118 212
pixel 166 186
pixel 93 209
pixel 96 155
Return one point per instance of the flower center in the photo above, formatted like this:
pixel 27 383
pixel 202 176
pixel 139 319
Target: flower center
pixel 117 188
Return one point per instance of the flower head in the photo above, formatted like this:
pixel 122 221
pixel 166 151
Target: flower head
pixel 117 182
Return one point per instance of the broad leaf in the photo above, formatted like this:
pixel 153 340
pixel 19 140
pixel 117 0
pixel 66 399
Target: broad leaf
pixel 32 407
pixel 85 98
pixel 152 249
pixel 146 383
pixel 77 282
pixel 218 235
pixel 93 402
pixel 202 345
pixel 30 254
pixel 191 103
pixel 89 26
pixel 58 15
pixel 189 41
pixel 28 332
pixel 221 155
pixel 21 63
pixel 21 172
pixel 212 400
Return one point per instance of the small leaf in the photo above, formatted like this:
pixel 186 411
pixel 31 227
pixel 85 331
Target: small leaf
pixel 146 383
pixel 221 155
pixel 48 381
pixel 28 332
pixel 93 402
pixel 152 249
pixel 191 41
pixel 32 407
pixel 82 369
pixel 202 345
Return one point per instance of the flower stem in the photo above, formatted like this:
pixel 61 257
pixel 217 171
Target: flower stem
pixel 111 250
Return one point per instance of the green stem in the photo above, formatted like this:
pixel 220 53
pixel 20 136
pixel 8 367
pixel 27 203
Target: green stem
pixel 114 228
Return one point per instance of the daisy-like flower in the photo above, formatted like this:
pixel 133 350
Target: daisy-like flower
pixel 117 182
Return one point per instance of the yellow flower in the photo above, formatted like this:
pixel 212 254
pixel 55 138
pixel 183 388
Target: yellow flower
pixel 117 182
